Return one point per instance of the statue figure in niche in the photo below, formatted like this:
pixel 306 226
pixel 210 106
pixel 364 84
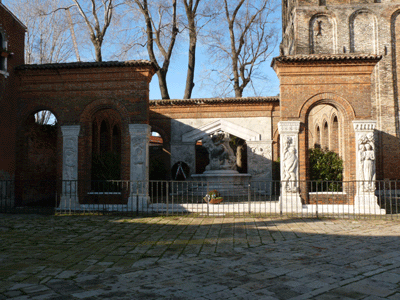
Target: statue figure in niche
pixel 220 153
pixel 367 163
pixel 289 166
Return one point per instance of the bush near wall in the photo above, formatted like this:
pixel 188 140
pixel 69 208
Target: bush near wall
pixel 326 166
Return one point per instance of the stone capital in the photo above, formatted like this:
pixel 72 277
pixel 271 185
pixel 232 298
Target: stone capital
pixel 365 126
pixel 139 130
pixel 70 130
pixel 289 127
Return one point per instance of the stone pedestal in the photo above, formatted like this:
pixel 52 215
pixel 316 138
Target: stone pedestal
pixel 365 200
pixel 139 173
pixel 69 197
pixel 289 140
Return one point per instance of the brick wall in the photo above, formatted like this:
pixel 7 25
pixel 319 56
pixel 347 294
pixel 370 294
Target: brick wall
pixel 14 33
pixel 75 92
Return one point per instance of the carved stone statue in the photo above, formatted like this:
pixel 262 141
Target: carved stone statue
pixel 290 167
pixel 220 153
pixel 367 163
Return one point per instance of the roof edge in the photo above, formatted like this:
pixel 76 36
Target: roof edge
pixel 325 58
pixel 210 101
pixel 82 65
pixel 14 16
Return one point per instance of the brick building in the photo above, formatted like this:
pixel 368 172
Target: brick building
pixel 338 72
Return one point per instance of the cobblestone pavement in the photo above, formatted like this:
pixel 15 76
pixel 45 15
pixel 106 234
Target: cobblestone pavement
pixel 104 257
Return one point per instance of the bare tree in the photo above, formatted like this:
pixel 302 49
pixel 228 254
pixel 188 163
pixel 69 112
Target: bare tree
pixel 244 40
pixel 97 30
pixel 197 18
pixel 47 38
pixel 191 11
pixel 45 117
pixel 161 30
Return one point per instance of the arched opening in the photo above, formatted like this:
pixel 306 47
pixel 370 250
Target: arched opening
pixel 37 166
pixel 334 140
pixel 317 142
pixel 158 157
pixel 106 148
pixel 325 136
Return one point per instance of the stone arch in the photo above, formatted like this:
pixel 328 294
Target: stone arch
pixel 363 32
pixel 323 35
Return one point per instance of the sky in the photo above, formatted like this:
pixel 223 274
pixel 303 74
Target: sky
pixel 176 77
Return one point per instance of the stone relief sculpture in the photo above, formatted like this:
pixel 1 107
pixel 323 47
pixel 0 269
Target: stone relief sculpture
pixel 137 147
pixel 260 159
pixel 367 163
pixel 289 165
pixel 220 152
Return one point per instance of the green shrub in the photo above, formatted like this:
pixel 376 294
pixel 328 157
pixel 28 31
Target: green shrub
pixel 326 167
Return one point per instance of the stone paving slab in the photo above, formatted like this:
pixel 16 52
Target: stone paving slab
pixel 106 257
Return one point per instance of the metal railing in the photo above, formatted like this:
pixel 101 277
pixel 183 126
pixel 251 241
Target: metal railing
pixel 300 198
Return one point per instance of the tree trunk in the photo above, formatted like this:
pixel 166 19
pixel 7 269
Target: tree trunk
pixel 97 49
pixel 162 81
pixel 192 55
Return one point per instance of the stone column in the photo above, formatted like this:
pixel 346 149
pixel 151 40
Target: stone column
pixel 289 149
pixel 365 200
pixel 69 197
pixel 139 173
pixel 259 164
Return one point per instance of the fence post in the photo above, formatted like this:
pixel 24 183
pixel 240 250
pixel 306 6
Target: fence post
pixel 167 193
pixel 249 197
pixel 208 203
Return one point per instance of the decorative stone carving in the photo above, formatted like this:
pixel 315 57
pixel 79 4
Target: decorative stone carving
pixel 140 134
pixel 220 152
pixel 366 156
pixel 259 157
pixel 365 200
pixel 70 166
pixel 365 163
pixel 290 197
pixel 289 166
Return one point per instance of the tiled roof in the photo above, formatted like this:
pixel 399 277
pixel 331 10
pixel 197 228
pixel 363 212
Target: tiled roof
pixel 325 57
pixel 210 101
pixel 75 65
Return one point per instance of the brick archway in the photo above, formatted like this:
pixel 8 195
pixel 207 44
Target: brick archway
pixel 121 117
pixel 346 115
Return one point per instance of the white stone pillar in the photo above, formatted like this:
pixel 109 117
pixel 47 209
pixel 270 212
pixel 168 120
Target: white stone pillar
pixel 365 200
pixel 69 197
pixel 139 173
pixel 259 163
pixel 289 149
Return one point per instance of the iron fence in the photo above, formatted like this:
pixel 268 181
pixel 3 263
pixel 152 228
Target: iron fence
pixel 300 198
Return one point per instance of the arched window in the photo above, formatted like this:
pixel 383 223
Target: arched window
pixel 3 48
pixel 317 143
pixel 103 137
pixel 325 136
pixel 335 136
